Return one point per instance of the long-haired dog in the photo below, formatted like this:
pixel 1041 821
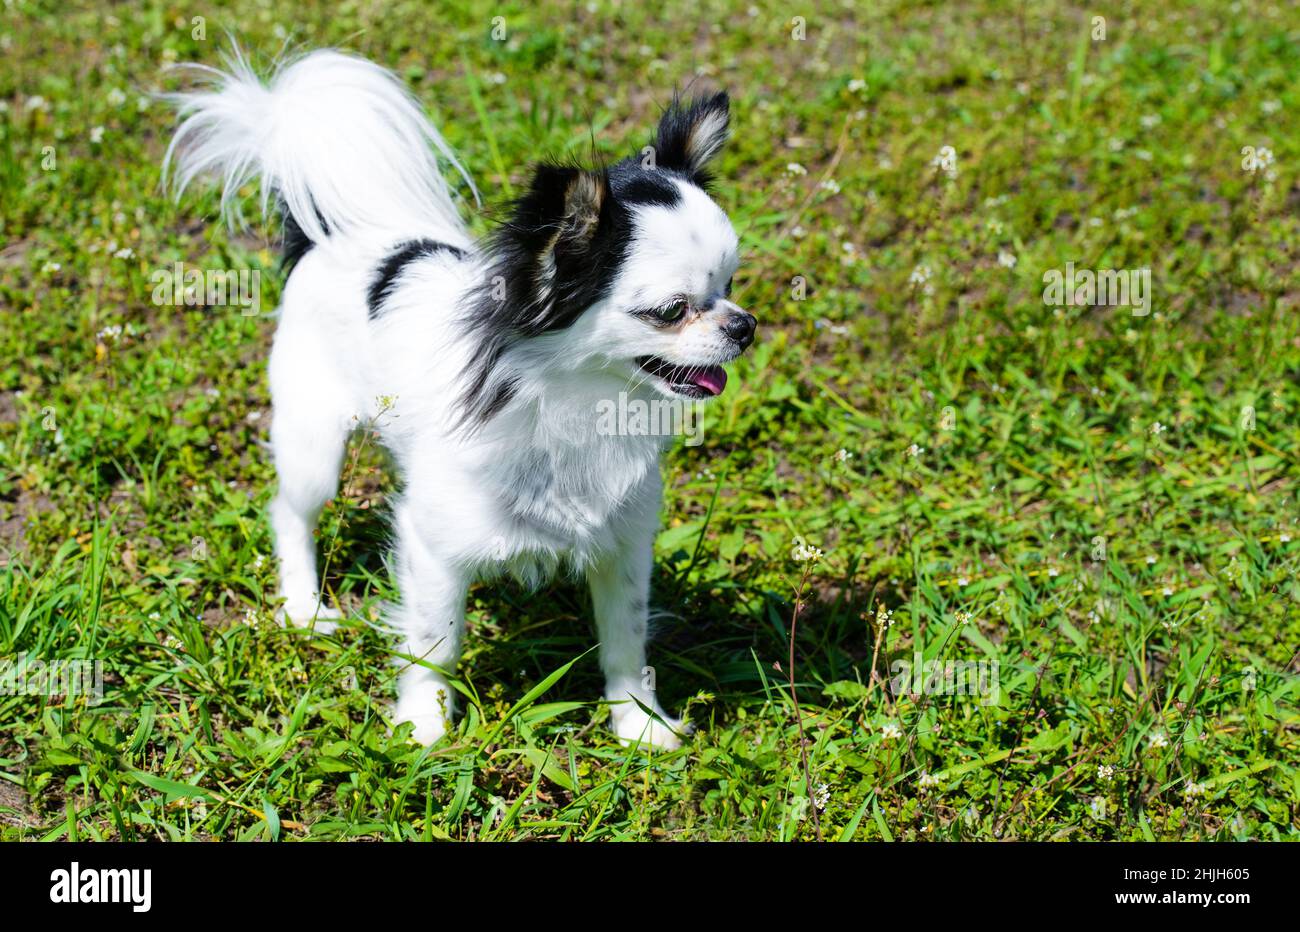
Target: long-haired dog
pixel 482 364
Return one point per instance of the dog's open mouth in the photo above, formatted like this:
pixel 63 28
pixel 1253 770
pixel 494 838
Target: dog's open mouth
pixel 691 381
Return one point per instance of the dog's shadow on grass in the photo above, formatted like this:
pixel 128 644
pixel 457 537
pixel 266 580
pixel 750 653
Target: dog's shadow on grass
pixel 718 630
pixel 726 637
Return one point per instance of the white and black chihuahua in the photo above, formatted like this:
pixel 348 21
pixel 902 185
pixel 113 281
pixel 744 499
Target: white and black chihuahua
pixel 481 365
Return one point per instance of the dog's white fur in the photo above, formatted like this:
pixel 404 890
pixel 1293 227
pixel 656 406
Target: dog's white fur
pixel 532 490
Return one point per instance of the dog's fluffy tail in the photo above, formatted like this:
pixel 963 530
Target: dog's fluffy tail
pixel 336 140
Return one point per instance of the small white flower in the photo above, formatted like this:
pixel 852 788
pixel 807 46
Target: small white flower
pixel 891 731
pixel 96 135
pixel 126 252
pixel 116 98
pixel 1105 772
pixel 1262 158
pixel 1270 106
pixel 37 102
pixel 1150 120
pixel 1151 560
pixel 927 782
pixel 1006 260
pixel 822 796
pixel 803 552
pixel 920 275
pixel 1158 739
pixel 963 618
pixel 1193 790
pixel 963 582
pixel 1053 572
pixel 1157 429
pixel 843 456
pixel 831 186
pixel 914 451
pixel 1284 538
pixel 50 267
pixel 795 169
pixel 857 85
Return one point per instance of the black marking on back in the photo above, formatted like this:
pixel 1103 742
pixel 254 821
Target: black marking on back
pixel 294 243
pixel 386 275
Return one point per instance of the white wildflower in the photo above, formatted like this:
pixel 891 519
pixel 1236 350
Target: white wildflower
pixel 803 552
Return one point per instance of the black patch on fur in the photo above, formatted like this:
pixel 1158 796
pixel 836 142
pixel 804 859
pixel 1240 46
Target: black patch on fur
pixel 294 244
pixel 633 184
pixel 501 397
pixel 386 275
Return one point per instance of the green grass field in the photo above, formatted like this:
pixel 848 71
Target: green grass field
pixel 1097 506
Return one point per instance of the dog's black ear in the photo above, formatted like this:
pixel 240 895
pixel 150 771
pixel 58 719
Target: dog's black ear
pixel 550 248
pixel 561 210
pixel 690 135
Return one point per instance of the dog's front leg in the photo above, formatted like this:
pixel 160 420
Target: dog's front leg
pixel 620 591
pixel 431 619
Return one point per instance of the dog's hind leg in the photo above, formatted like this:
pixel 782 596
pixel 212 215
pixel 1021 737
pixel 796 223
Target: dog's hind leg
pixel 309 431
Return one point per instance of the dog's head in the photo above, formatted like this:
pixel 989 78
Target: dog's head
pixel 626 269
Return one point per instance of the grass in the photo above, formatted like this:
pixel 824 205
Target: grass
pixel 1102 505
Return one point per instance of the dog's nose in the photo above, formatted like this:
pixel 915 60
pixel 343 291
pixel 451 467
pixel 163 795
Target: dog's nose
pixel 740 327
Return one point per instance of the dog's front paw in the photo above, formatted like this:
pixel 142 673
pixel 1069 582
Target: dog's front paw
pixel 308 614
pixel 429 726
pixel 426 705
pixel 634 726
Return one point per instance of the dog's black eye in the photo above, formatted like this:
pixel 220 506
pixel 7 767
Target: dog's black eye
pixel 672 313
pixel 728 291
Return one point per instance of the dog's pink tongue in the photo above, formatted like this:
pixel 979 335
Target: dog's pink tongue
pixel 713 379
